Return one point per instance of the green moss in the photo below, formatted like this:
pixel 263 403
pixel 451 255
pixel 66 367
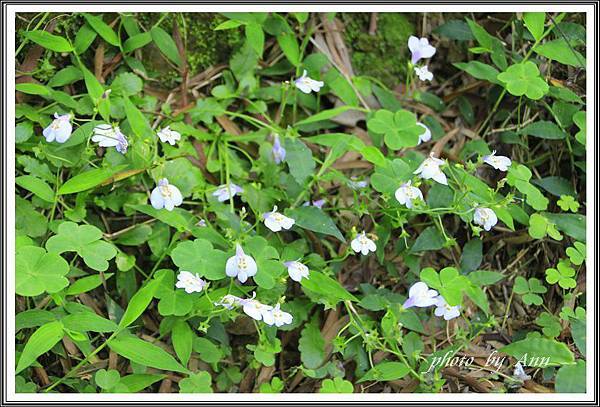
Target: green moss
pixel 384 54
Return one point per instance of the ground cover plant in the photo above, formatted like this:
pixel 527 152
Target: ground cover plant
pixel 295 202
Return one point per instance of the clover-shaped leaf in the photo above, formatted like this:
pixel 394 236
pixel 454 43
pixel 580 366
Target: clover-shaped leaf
pixel 399 129
pixel 200 257
pixel 568 203
pixel 562 275
pixel 38 272
pixel 266 257
pixel 387 179
pixel 448 282
pixel 85 241
pixel 576 253
pixel 539 227
pixel 579 120
pixel 196 383
pixel 107 379
pixel 172 301
pixel 275 386
pixel 524 79
pixel 518 176
pixel 529 290
pixel 550 324
pixel 337 385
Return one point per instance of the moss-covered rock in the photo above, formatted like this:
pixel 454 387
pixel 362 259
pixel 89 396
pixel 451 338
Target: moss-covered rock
pixel 384 54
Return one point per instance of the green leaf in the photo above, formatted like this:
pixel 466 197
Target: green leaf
pixel 40 342
pixel 137 121
pixel 385 372
pixel 524 79
pixel 325 115
pixel 139 302
pixel 137 41
pixel 182 338
pixel 32 89
pixel 484 277
pixel 103 29
pixel 556 185
pixel 455 30
pixel 311 345
pixel 127 84
pixel 322 284
pixel 32 318
pixel 471 256
pixel 200 257
pixel 559 50
pixel 571 224
pixel 555 353
pixel 448 282
pixel 255 37
pixel 313 218
pixel 39 187
pixel 139 381
pixel 429 239
pixel 49 41
pixel 84 38
pixel 387 179
pixel 38 272
pixel 94 88
pixel 479 70
pixel 544 129
pixel 167 46
pixel 107 379
pixel 208 351
pixel 534 21
pixel 400 129
pixel 571 378
pixel 337 385
pixel 86 180
pixel 579 120
pixel 144 353
pixel 88 322
pixel 85 240
pixel 299 159
pixel 289 46
pixel 196 383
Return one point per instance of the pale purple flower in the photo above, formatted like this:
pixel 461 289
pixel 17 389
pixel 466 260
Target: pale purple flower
pixel 423 73
pixel 519 373
pixel 108 136
pixel 277 221
pixel 201 223
pixel 241 265
pixel 499 162
pixel 192 283
pixel 278 151
pixel 356 185
pixel 445 310
pixel 318 203
pixel 296 270
pixel 419 295
pixel 307 85
pixel 362 244
pixel 167 135
pixel 426 136
pixel 420 48
pixel 225 192
pixel 59 130
pixel 485 217
pixel 407 194
pixel 430 169
pixel 165 195
pixel 277 317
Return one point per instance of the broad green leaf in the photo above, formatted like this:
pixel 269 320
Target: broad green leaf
pixel 455 30
pixel 484 277
pixel 32 318
pixel 86 180
pixel 325 115
pixel 84 38
pixel 299 159
pixel 544 129
pixel 200 257
pixel 472 255
pixel 32 89
pixel 182 338
pixel 385 372
pixel 534 21
pixel 103 29
pixel 139 302
pixel 289 46
pixel 571 378
pixel 479 70
pixel 49 41
pixel 137 41
pixel 196 383
pixel 39 187
pixel 40 342
pixel 571 224
pixel 311 345
pixel 88 321
pixel 387 179
pixel 93 86
pixel 38 272
pixel 167 46
pixel 579 120
pixel 313 218
pixel 545 350
pixel 107 379
pixel 524 79
pixel 256 37
pixel 144 353
pixel 429 239
pixel 139 381
pixel 137 121
pixel 208 351
pixel 322 284
pixel 560 51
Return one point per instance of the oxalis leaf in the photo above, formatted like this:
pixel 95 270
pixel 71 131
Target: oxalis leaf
pixel 38 272
pixel 399 129
pixel 524 79
pixel 86 241
pixel 311 345
pixel 199 256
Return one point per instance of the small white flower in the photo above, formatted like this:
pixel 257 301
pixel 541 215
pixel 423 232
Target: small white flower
pixel 407 194
pixel 430 169
pixel 192 283
pixel 167 135
pixel 108 136
pixel 306 84
pixel 485 217
pixel 423 73
pixel 60 129
pixel 166 196
pixel 519 373
pixel 419 295
pixel 420 48
pixel 256 310
pixel 445 310
pixel 362 244
pixel 499 162
pixel 241 265
pixel 426 136
pixel 276 221
pixel 225 192
pixel 229 301
pixel 296 270
pixel 277 317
